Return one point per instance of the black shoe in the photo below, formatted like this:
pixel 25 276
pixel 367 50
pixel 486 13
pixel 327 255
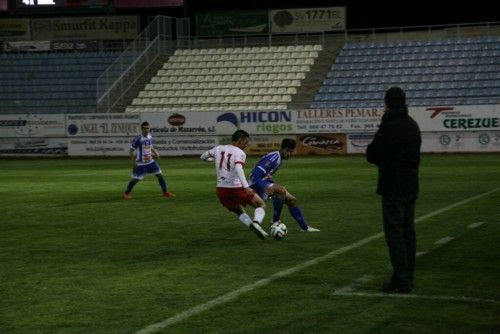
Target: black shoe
pixel 394 288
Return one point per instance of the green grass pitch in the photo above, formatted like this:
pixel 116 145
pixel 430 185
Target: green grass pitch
pixel 76 258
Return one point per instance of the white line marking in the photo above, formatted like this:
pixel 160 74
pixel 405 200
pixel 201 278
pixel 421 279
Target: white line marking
pixel 236 293
pixel 412 296
pixel 351 286
pixel 443 241
pixel 475 225
pixel 449 207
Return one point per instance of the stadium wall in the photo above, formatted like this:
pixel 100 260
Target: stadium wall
pixel 318 131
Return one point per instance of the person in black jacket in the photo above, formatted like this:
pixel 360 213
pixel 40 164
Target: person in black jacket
pixel 396 152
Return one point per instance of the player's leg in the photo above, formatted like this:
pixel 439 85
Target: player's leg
pixel 277 193
pixel 154 168
pixel 260 211
pixel 138 174
pixel 163 185
pixel 235 199
pixel 129 188
pixel 281 195
pixel 295 211
pixel 293 208
pixel 244 218
pixel 260 208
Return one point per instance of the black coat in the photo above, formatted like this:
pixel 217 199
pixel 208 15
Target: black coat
pixel 396 152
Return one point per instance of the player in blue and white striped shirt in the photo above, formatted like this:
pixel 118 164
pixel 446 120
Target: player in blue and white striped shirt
pixel 142 153
pixel 262 182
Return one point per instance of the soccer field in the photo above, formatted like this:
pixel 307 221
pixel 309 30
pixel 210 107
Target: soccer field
pixel 76 258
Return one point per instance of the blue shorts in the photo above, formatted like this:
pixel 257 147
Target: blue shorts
pixel 140 171
pixel 260 187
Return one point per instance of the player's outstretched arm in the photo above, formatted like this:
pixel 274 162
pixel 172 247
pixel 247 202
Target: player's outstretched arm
pixel 131 154
pixel 156 153
pixel 207 156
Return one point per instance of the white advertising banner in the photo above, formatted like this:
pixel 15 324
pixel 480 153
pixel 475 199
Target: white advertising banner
pixel 301 20
pixel 99 146
pixel 185 145
pixel 33 147
pixel 32 125
pixel 26 46
pixel 450 129
pixel 99 27
pixel 478 141
pixel 217 123
pixel 436 142
pixel 103 125
pixel 114 146
pixel 457 118
pixel 357 142
pixel 338 120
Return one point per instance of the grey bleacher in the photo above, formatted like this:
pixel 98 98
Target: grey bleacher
pixel 51 82
pixel 452 71
pixel 216 79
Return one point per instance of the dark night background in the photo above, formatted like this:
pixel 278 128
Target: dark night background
pixel 360 14
pixel 376 14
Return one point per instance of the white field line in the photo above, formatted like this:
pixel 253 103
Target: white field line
pixel 250 287
pixel 443 241
pixel 413 296
pixel 350 288
pixel 475 225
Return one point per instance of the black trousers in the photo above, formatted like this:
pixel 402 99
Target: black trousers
pixel 399 228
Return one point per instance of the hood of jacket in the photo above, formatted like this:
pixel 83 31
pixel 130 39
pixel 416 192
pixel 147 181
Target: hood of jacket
pixel 395 112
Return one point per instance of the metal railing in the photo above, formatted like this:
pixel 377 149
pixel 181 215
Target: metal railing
pixel 156 40
pixel 152 42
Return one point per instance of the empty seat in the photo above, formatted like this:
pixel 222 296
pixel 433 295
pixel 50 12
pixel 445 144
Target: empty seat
pixel 226 78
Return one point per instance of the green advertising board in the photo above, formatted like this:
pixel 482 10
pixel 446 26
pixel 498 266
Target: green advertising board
pixel 221 23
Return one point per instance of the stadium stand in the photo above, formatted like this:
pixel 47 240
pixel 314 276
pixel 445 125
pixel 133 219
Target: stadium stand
pixel 436 71
pixel 260 77
pixel 51 82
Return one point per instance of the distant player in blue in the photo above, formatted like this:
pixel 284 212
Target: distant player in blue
pixel 261 181
pixel 142 153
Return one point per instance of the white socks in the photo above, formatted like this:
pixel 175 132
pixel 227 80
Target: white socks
pixel 258 215
pixel 245 219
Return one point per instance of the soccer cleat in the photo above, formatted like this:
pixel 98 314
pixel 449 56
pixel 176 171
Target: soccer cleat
pixel 310 229
pixel 395 288
pixel 127 196
pixel 168 194
pixel 254 226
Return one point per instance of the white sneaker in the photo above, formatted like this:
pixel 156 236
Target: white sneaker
pixel 254 226
pixel 310 229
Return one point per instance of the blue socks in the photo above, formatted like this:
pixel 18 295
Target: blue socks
pixel 277 208
pixel 297 215
pixel 162 183
pixel 131 185
pixel 294 211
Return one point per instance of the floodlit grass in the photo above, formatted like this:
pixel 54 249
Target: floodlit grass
pixel 76 258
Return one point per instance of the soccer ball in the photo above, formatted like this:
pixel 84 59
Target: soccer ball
pixel 278 230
